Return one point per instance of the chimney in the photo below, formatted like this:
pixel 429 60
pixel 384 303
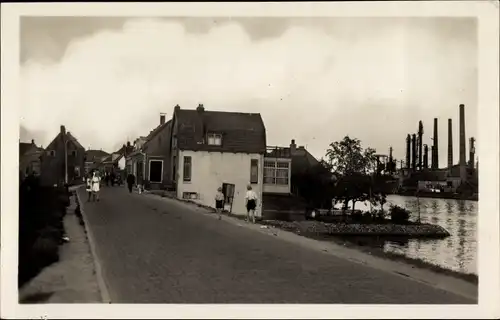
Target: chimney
pixel 426 156
pixel 63 129
pixel 435 154
pixel 32 141
pixel 408 151
pixel 420 134
pixel 162 118
pixel 463 172
pixel 472 152
pixel 414 151
pixel 450 145
pixel 177 107
pixel 200 108
pixel 293 147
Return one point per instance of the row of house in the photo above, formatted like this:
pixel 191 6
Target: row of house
pixel 66 160
pixel 197 151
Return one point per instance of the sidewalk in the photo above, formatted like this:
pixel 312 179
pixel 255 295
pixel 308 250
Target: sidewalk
pixel 72 279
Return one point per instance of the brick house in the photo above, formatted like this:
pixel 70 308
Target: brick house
pixel 212 149
pixel 93 159
pixel 64 149
pixel 29 158
pixel 150 159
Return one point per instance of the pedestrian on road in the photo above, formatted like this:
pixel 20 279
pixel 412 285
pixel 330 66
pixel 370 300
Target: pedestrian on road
pixel 251 203
pixel 88 182
pixel 219 202
pixel 130 182
pixel 96 183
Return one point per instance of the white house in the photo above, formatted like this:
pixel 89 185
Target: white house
pixel 212 149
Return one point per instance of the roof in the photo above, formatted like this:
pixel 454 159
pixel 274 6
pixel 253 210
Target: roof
pixel 155 131
pixel 24 147
pixel 95 155
pixel 74 140
pixel 241 132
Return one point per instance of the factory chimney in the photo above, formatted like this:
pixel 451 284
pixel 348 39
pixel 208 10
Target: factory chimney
pixel 414 152
pixel 435 147
pixel 420 134
pixel 472 152
pixel 450 145
pixel 463 171
pixel 408 151
pixel 426 156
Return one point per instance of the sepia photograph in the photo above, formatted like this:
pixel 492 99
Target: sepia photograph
pixel 246 159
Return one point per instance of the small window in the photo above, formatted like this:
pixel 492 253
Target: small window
pixel 73 153
pixel 52 153
pixel 254 171
pixel 214 139
pixel 187 169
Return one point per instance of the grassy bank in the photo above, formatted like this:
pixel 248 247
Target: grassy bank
pixel 41 229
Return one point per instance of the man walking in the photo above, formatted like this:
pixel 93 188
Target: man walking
pixel 130 182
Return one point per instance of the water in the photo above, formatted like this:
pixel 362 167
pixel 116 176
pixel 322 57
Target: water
pixel 457 252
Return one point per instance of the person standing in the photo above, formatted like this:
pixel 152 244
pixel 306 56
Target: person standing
pixel 130 182
pixel 96 184
pixel 219 202
pixel 250 203
pixel 88 182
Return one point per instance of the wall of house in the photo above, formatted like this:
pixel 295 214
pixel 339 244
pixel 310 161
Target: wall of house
pixel 158 148
pixel 30 161
pixel 279 188
pixel 121 163
pixel 53 168
pixel 209 170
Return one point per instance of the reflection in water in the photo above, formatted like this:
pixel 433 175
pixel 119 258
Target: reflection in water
pixel 459 217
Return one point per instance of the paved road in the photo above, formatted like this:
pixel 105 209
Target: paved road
pixel 156 250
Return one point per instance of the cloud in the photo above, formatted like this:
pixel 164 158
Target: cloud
pixel 307 84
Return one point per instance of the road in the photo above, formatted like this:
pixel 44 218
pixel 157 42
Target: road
pixel 158 250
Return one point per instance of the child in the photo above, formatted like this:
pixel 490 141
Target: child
pixel 251 203
pixel 89 186
pixel 219 202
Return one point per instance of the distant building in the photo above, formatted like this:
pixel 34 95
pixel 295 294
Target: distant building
pixel 149 159
pixel 63 152
pixel 94 159
pixel 29 158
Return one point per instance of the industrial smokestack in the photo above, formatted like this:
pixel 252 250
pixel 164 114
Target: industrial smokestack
pixel 435 147
pixel 472 152
pixel 463 172
pixel 450 145
pixel 426 156
pixel 408 151
pixel 420 134
pixel 414 152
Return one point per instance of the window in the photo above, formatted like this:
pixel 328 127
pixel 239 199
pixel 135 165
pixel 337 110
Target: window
pixel 73 153
pixel 77 171
pixel 187 169
pixel 214 139
pixel 276 172
pixel 52 153
pixel 254 171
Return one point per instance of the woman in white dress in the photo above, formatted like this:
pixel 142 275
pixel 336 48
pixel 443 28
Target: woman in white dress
pixel 96 184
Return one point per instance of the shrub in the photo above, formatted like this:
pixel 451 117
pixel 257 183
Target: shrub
pixel 357 216
pixel 45 251
pixel 399 214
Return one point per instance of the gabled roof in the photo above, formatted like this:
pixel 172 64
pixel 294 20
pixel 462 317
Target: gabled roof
pixel 241 132
pixel 95 155
pixel 24 147
pixel 155 131
pixel 74 140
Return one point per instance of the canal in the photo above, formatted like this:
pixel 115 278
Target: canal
pixel 457 252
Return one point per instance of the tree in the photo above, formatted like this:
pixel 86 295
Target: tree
pixel 353 167
pixel 315 184
pixel 347 157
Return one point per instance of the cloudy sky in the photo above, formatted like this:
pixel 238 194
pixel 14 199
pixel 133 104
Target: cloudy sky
pixel 313 80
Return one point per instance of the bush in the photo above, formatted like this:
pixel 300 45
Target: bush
pixel 399 215
pixel 46 250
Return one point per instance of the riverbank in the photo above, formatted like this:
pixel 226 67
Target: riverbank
pixel 438 195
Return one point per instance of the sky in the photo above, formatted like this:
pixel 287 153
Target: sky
pixel 312 80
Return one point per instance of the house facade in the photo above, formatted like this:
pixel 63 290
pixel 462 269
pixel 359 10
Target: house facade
pixel 150 159
pixel 212 149
pixel 93 159
pixel 29 158
pixel 64 155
